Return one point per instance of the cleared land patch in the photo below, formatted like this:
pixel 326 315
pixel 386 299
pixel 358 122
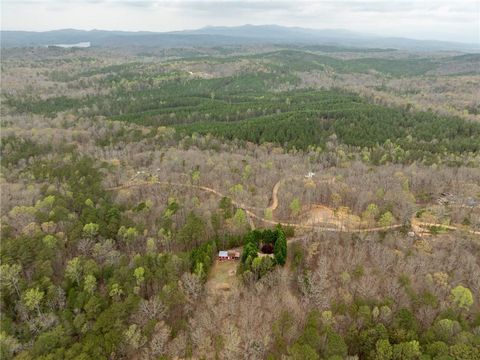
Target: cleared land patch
pixel 222 277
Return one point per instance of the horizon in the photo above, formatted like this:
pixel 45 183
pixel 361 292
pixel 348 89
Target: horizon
pixel 419 20
pixel 244 25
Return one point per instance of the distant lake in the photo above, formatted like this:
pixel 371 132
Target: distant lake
pixel 78 45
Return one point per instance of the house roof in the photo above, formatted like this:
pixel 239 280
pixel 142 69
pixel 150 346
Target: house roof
pixel 223 253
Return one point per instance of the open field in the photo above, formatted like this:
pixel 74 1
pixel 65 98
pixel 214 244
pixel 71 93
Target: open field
pixel 222 278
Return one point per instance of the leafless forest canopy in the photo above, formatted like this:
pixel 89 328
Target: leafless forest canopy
pixel 349 181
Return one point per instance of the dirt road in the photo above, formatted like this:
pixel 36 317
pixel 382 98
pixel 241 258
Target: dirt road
pixel 251 215
pixel 274 203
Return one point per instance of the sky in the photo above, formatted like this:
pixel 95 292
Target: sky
pixel 449 20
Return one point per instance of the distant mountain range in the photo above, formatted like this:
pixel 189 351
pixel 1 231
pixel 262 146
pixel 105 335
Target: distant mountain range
pixel 220 36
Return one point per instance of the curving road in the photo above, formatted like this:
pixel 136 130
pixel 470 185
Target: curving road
pixel 274 203
pixel 250 214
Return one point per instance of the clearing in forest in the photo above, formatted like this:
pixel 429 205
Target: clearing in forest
pixel 222 277
pixel 322 215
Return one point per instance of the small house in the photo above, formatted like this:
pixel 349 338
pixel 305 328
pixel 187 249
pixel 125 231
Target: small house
pixel 223 255
pixel 228 255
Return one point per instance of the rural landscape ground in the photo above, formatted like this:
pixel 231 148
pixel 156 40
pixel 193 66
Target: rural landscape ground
pixel 347 178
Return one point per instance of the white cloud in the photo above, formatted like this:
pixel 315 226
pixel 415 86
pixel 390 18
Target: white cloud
pixel 435 19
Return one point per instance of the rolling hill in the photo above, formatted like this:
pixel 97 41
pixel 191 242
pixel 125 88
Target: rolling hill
pixel 218 36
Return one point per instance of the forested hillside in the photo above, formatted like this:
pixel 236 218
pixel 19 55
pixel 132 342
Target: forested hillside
pixel 341 186
pixel 248 104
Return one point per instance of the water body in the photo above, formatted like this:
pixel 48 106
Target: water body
pixel 77 45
